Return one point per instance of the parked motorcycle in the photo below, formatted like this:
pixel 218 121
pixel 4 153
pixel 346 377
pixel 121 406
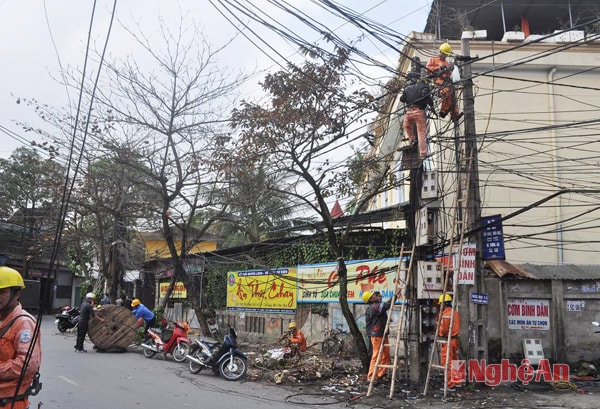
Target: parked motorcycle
pixel 67 319
pixel 223 358
pixel 168 340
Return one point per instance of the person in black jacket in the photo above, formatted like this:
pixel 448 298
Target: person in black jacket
pixel 416 97
pixel 86 314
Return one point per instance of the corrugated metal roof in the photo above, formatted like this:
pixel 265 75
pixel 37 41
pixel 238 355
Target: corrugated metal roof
pixel 503 268
pixel 545 272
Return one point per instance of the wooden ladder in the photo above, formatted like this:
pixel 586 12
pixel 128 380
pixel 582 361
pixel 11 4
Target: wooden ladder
pixel 402 283
pixel 450 268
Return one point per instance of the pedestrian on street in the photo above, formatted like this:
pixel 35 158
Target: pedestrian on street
pixel 105 300
pixel 86 314
pixel 416 97
pixel 17 329
pixel 143 314
pixel 376 321
pixel 124 302
pixel 440 68
pixel 449 314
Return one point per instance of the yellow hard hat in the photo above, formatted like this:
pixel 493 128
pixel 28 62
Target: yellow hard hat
pixel 446 49
pixel 9 277
pixel 292 325
pixel 135 302
pixel 367 296
pixel 445 298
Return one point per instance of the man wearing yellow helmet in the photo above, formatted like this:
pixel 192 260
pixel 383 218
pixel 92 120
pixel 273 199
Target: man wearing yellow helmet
pixel 451 349
pixel 441 69
pixel 17 329
pixel 376 320
pixel 297 338
pixel 143 314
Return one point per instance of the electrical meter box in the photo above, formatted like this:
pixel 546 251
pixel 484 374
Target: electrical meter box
pixel 430 188
pixel 429 280
pixel 425 227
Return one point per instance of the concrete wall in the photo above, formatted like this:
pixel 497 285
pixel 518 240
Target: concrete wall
pixel 573 305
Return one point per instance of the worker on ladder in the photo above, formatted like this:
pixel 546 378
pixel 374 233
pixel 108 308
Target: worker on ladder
pixel 417 97
pixel 376 320
pixel 441 69
pixel 446 317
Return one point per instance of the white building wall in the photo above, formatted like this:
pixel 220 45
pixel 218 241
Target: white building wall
pixel 534 139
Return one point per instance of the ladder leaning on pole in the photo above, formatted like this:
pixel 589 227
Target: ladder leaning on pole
pixel 457 235
pixel 402 281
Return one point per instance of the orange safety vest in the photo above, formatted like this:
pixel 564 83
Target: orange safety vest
pixel 445 323
pixel 435 65
pixel 13 351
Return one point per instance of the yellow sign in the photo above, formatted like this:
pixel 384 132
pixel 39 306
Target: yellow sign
pixel 262 290
pixel 179 290
pixel 319 282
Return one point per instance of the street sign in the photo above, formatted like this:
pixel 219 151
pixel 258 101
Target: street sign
pixel 492 239
pixel 479 298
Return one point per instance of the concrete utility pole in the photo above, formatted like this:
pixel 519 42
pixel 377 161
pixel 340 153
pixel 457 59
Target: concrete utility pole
pixel 476 314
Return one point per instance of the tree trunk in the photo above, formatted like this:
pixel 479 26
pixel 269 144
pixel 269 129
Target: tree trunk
pixel 357 336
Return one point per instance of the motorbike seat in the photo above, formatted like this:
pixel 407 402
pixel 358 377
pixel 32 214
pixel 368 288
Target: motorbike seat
pixel 210 342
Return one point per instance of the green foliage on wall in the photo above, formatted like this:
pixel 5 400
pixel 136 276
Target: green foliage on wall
pixel 360 245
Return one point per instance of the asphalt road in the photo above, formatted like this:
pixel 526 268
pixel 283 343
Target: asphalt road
pixel 97 380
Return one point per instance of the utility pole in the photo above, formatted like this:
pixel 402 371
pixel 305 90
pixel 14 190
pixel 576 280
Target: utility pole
pixel 476 314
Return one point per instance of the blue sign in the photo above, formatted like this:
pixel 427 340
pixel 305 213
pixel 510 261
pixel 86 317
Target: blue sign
pixel 479 298
pixel 492 239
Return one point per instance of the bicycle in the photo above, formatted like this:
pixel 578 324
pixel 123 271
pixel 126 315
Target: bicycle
pixel 333 344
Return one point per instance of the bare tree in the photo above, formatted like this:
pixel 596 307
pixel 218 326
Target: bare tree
pixel 309 119
pixel 173 108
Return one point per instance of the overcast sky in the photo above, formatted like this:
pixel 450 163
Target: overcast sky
pixel 38 37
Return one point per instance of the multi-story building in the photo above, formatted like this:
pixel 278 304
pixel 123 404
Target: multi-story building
pixel 536 100
pixel 533 118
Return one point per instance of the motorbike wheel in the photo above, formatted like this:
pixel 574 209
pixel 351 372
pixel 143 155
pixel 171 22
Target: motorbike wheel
pixel 180 351
pixel 233 369
pixel 148 353
pixel 62 326
pixel 332 347
pixel 195 367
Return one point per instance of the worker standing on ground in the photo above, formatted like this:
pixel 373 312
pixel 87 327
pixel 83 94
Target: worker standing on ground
pixel 17 327
pixel 86 314
pixel 440 68
pixel 416 97
pixel 376 321
pixel 449 314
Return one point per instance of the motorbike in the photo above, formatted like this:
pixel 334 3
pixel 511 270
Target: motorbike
pixel 168 340
pixel 67 319
pixel 223 358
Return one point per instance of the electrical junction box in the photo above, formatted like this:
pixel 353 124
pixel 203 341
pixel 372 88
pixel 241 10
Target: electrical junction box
pixel 532 349
pixel 430 188
pixel 429 280
pixel 425 227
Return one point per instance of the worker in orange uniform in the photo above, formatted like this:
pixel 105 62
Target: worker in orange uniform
pixel 417 97
pixel 297 338
pixel 376 320
pixel 17 329
pixel 453 328
pixel 441 70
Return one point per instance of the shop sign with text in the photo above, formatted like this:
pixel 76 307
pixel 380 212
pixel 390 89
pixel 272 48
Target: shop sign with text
pixel 179 290
pixel 528 313
pixel 262 290
pixel 320 283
